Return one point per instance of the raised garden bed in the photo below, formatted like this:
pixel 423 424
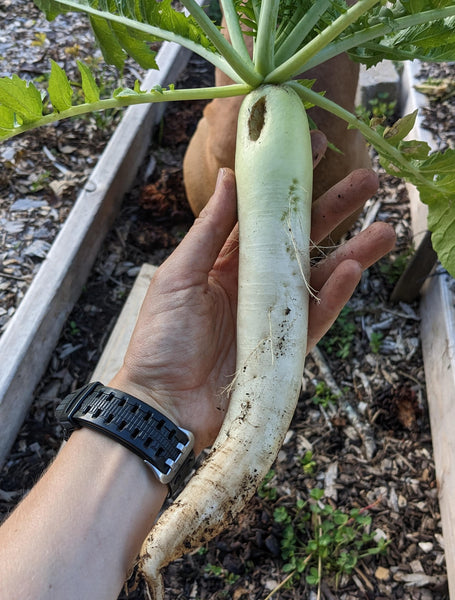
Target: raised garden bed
pixel 381 377
pixel 32 333
pixel 437 312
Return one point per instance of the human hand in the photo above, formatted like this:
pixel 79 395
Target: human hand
pixel 181 357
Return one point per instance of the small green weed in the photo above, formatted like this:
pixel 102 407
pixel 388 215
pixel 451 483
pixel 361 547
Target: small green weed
pixel 391 268
pixel 40 181
pixel 267 491
pixel 219 571
pixel 380 107
pixel 73 329
pixel 323 395
pixel 376 341
pixel 341 335
pixel 308 464
pixel 324 541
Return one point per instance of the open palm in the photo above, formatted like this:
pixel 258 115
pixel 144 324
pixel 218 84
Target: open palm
pixel 181 357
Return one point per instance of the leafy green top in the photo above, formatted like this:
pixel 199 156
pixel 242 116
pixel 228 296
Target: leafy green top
pixel 291 36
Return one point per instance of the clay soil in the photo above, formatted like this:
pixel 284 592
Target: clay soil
pixel 362 413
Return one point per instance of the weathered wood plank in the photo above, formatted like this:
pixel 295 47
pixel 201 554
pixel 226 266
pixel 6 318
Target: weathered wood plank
pixel 28 342
pixel 112 358
pixel 438 348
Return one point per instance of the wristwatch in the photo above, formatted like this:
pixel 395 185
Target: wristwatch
pixel 166 448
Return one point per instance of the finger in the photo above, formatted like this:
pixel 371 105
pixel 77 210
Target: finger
pixel 318 146
pixel 227 263
pixel 204 241
pixel 366 248
pixel 232 243
pixel 332 297
pixel 340 201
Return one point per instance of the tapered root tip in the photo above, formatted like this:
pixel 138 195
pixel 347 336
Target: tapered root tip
pixel 155 587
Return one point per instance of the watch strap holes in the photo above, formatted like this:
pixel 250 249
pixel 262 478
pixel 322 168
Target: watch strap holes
pixel 147 415
pixel 160 424
pixel 96 413
pixel 109 418
pixel 135 433
pixel 147 442
pixel 121 425
pixel 134 408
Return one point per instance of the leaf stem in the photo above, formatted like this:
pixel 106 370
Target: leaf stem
pixel 263 56
pixel 381 29
pixel 374 138
pixel 214 58
pixel 294 65
pixel 301 30
pixel 285 29
pixel 235 31
pixel 243 68
pixel 129 99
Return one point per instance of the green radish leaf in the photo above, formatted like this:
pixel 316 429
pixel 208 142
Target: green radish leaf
pixel 441 222
pixel 400 129
pixel 134 46
pixel 51 8
pixel 415 149
pixel 110 46
pixel 89 87
pixel 6 118
pixel 127 27
pixel 434 177
pixel 59 88
pixel 429 35
pixel 21 97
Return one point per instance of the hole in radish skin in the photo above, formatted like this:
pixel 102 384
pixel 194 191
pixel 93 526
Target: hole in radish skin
pixel 257 119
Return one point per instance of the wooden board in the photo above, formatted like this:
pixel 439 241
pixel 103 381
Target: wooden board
pixel 438 347
pixel 31 336
pixel 112 358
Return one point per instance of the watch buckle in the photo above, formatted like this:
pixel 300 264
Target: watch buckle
pixel 174 465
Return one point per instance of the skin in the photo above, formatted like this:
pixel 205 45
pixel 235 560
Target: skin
pixel 78 531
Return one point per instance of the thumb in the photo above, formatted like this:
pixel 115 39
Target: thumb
pixel 202 244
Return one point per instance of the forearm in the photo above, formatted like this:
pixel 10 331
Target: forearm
pixel 77 532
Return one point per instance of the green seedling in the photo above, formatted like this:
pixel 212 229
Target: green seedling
pixel 380 107
pixel 267 491
pixel 321 541
pixel 391 268
pixel 218 571
pixel 308 463
pixel 323 395
pixel 376 341
pixel 340 337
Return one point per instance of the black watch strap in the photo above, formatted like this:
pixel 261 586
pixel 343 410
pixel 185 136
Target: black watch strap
pixel 163 446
